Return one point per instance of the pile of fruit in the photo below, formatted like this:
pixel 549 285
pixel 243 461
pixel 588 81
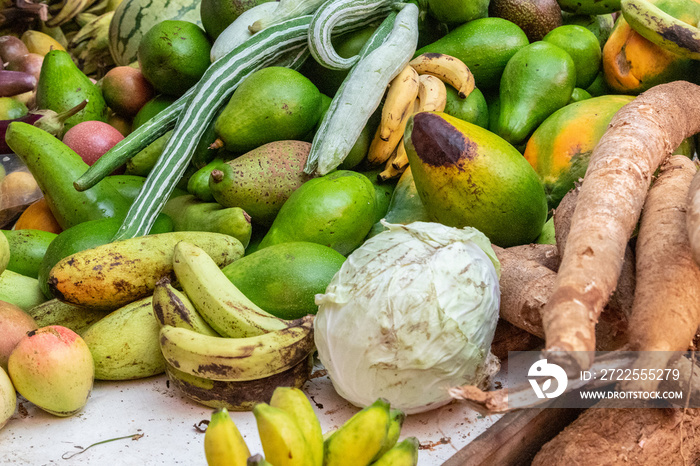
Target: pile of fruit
pixel 185 180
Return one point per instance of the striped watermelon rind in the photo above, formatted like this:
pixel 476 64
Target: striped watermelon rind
pixel 133 18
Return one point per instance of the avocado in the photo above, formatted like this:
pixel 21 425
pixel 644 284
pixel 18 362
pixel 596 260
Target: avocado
pixel 535 17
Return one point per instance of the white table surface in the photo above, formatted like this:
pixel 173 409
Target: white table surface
pixel 166 419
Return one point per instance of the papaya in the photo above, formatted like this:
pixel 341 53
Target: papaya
pixel 536 82
pixel 468 176
pixel 336 210
pixel 485 45
pixel 561 146
pixel 284 278
pixel 632 64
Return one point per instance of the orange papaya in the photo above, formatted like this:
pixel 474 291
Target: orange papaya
pixel 561 146
pixel 632 64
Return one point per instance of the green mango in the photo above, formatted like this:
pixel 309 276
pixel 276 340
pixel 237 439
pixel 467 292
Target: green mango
pixel 272 104
pixel 600 25
pixel 62 86
pixel 198 184
pixel 336 210
pixel 485 45
pixel 537 81
pixel 382 191
pixel 589 7
pixel 468 176
pixel 27 249
pixel 284 278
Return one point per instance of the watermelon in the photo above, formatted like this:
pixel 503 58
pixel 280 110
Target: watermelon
pixel 133 18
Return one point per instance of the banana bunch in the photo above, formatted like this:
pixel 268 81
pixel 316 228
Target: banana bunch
pixel 291 435
pixel 420 87
pixel 90 45
pixel 220 348
pixel 678 35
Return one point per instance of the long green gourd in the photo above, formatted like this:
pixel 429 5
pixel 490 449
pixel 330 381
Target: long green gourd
pixel 218 83
pixel 324 20
pixel 362 90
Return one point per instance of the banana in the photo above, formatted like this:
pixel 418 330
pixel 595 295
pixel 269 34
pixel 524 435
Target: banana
pixel 124 344
pixel 403 90
pixel 8 398
pixel 223 306
pixel 361 438
pixel 396 419
pixel 398 107
pixel 662 29
pixel 390 171
pixel 282 441
pixel 115 274
pixel 68 11
pixel 55 312
pixel 400 162
pixel 90 45
pixel 294 401
pixel 249 358
pixel 432 94
pixel 174 308
pixel 448 69
pixel 404 453
pixel 238 396
pixel 223 443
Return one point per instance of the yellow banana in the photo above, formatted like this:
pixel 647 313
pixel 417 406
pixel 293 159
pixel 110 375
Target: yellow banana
pixel 661 28
pixel 220 303
pixel 237 396
pixel 219 358
pixel 449 69
pixel 282 441
pixel 295 403
pixel 432 94
pixel 68 11
pixel 400 162
pixel 390 171
pixel 403 90
pixel 223 443
pixel 396 419
pixel 405 453
pixel 361 438
pixel 174 308
pixel 115 274
pixel 398 107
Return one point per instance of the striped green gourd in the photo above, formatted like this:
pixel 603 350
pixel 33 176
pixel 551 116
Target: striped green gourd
pixel 363 89
pixel 286 9
pixel 133 18
pixel 324 21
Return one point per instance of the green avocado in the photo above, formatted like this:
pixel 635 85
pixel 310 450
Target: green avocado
pixel 284 278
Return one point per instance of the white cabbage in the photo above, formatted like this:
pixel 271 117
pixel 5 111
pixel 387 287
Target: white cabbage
pixel 410 314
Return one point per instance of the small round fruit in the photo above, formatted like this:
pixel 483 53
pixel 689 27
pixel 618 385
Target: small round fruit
pixel 11 47
pixel 173 56
pixel 126 90
pixel 27 63
pixel 52 367
pixel 91 139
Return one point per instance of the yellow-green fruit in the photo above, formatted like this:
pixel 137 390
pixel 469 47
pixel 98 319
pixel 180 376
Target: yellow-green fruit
pixel 52 368
pixel 281 438
pixel 458 11
pixel 8 398
pixel 124 344
pixel 468 176
pixel 584 48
